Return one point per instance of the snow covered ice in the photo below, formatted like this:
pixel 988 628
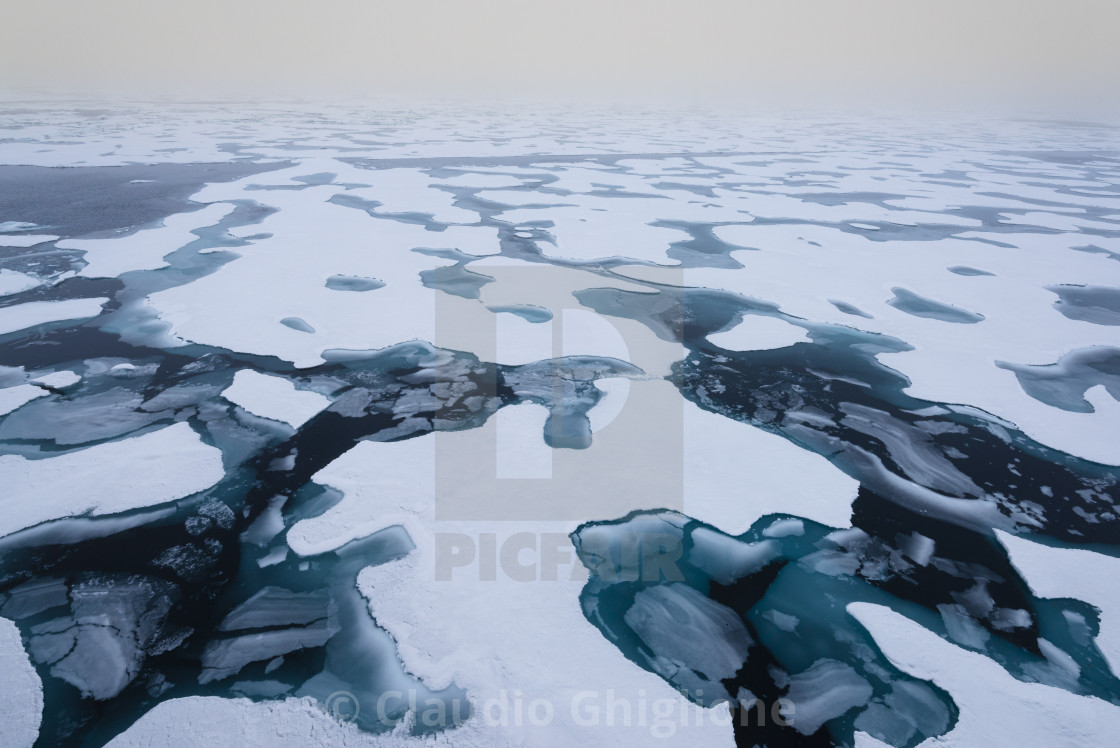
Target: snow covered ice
pixel 358 425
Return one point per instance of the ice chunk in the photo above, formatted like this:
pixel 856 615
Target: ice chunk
pixel 828 689
pixel 100 649
pixel 276 606
pixel 25 240
pixel 108 478
pixel 784 621
pixel 103 415
pixel 57 379
pixel 225 657
pixel 1072 573
pixel 725 558
pixel 759 333
pixel 274 397
pixel 12 398
pixel 918 547
pixel 784 528
pixel 12 282
pixel 683 626
pixel 34 313
pixel 962 627
pixel 34 597
pixel 21 691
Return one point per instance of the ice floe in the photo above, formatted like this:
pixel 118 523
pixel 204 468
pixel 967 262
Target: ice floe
pixel 17 396
pixel 21 692
pixel 25 240
pixel 274 397
pixel 35 313
pixel 13 282
pixel 142 471
pixel 758 333
pixel 145 249
pixel 994 707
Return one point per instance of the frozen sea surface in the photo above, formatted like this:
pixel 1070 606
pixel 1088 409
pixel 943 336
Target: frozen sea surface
pixel 362 425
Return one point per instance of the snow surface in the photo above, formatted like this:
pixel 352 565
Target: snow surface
pixel 23 316
pixel 758 333
pixel 25 240
pixel 13 282
pixel 1073 573
pixel 995 708
pixel 143 250
pixel 460 630
pixel 274 397
pixel 21 691
pixel 58 379
pixel 950 362
pixel 14 397
pixel 141 471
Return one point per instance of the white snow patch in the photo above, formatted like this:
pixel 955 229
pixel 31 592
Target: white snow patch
pixel 12 282
pixel 1073 573
pixel 801 269
pixel 458 630
pixel 58 379
pixel 18 396
pixel 21 692
pixel 142 471
pixel 736 474
pixel 23 316
pixel 995 709
pixel 758 333
pixel 274 397
pixel 144 250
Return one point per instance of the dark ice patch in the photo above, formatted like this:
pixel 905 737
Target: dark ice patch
pixel 1063 384
pixel 1099 305
pixel 847 308
pixel 353 283
pixel 74 201
pixel 527 312
pixel 455 280
pixel 967 271
pixel 920 306
pixel 297 323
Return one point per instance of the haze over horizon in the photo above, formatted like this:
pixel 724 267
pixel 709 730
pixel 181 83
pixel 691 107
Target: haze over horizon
pixel 1031 52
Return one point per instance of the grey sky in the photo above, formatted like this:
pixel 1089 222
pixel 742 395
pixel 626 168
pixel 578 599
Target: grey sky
pixel 664 48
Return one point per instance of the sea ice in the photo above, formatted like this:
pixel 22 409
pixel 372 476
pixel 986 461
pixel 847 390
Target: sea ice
pixel 21 692
pixel 142 471
pixel 34 313
pixel 274 397
pixel 759 333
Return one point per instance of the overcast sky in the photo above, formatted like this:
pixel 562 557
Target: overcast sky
pixel 657 48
